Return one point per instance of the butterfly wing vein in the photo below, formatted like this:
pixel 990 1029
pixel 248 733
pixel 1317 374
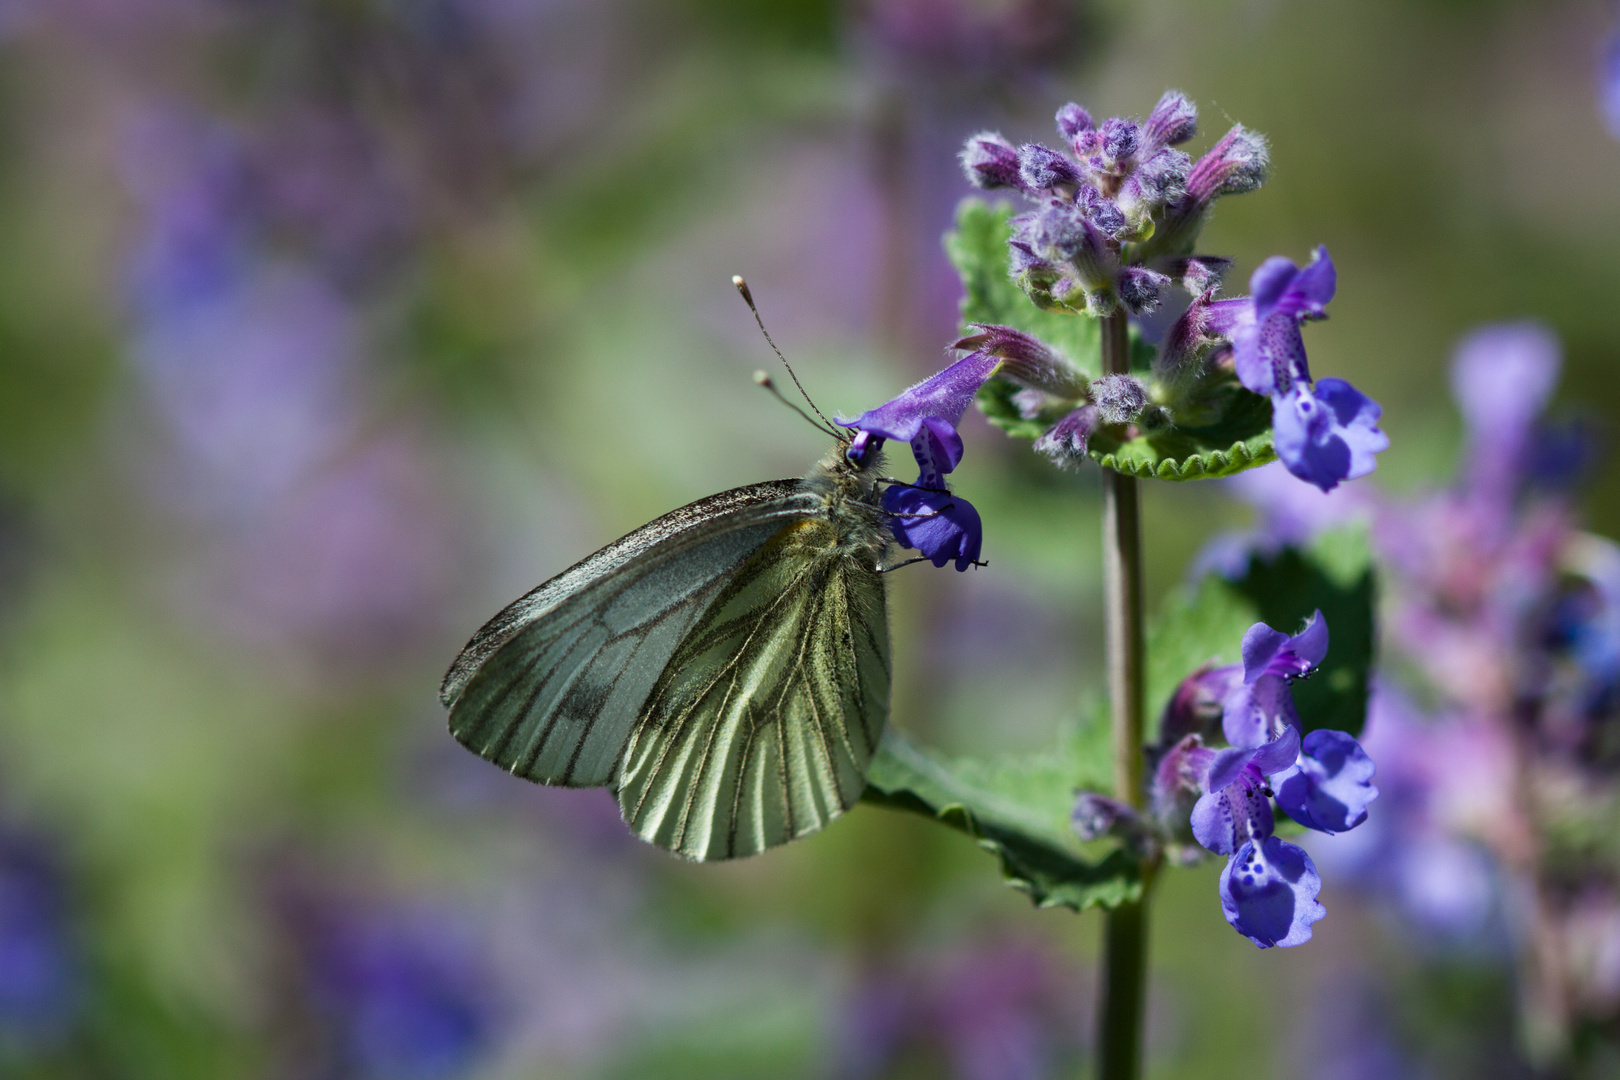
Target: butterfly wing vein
pixel 763 725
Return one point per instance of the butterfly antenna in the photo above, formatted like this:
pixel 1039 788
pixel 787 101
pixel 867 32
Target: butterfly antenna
pixel 763 379
pixel 748 298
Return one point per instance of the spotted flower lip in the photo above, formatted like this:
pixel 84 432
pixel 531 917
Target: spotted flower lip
pixel 1268 893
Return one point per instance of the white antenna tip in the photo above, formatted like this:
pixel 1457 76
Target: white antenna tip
pixel 736 279
pixel 761 378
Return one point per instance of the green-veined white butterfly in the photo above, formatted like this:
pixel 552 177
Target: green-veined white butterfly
pixel 724 669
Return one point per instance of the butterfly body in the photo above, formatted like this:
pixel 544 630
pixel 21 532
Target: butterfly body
pixel 724 669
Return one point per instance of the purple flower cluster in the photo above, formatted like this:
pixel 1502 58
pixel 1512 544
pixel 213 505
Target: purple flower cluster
pixel 1118 211
pixel 1322 780
pixel 1498 735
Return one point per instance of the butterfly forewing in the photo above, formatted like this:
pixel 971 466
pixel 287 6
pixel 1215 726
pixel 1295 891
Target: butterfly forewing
pixel 551 688
pixel 765 720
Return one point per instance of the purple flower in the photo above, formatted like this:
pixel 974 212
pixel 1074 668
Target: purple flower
pixel 1268 349
pixel 1268 893
pixel 1236 805
pixel 1609 83
pixel 1269 887
pixel 1259 708
pixel 1324 433
pixel 925 515
pixel 1330 785
pixel 1502 377
pixel 40 995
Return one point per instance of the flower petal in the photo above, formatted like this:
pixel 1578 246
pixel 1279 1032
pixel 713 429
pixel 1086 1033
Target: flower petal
pixel 1355 420
pixel 1261 644
pixel 1330 786
pixel 1225 818
pixel 1268 893
pixel 1269 282
pixel 944 395
pixel 936 523
pixel 1257 713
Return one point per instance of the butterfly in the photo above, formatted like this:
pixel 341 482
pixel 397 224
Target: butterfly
pixel 724 669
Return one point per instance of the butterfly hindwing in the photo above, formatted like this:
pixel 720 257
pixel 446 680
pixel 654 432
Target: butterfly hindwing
pixel 764 722
pixel 551 688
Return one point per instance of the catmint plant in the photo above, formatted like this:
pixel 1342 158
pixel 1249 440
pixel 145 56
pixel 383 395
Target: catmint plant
pixel 1052 351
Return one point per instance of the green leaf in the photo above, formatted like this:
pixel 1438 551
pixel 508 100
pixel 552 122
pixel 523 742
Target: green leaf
pixel 1207 622
pixel 1018 809
pixel 1238 439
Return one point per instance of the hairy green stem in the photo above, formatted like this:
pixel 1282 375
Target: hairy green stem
pixel 1124 991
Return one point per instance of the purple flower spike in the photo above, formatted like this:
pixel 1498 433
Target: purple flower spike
pixel 1173 121
pixel 1327 434
pixel 942 526
pixel 1268 893
pixel 1330 785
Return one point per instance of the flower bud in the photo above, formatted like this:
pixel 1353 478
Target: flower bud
pixel 1173 121
pixel 1072 120
pixel 990 162
pixel 1236 164
pixel 1195 273
pixel 1120 138
pixel 1140 289
pixel 1042 169
pixel 1065 441
pixel 1119 398
pixel 1027 361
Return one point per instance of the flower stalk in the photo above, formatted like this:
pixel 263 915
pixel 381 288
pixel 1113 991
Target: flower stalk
pixel 1124 991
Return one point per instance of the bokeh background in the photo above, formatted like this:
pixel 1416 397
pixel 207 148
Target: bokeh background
pixel 329 326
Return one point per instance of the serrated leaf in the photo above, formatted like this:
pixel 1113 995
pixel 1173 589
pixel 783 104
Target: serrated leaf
pixel 1240 439
pixel 1207 622
pixel 1019 810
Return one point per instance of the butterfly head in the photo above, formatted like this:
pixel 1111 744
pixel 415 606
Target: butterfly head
pixel 864 450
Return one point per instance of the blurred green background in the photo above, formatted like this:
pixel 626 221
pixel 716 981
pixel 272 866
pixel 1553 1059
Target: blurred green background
pixel 329 326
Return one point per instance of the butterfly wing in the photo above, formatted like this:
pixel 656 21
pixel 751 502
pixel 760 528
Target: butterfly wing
pixel 764 722
pixel 550 689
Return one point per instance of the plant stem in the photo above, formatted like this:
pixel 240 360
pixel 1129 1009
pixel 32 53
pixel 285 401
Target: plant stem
pixel 1124 991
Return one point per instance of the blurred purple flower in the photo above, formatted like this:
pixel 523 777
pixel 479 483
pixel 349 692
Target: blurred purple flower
pixel 1609 82
pixel 398 992
pixel 1003 1011
pixel 1324 432
pixel 1502 377
pixel 40 978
